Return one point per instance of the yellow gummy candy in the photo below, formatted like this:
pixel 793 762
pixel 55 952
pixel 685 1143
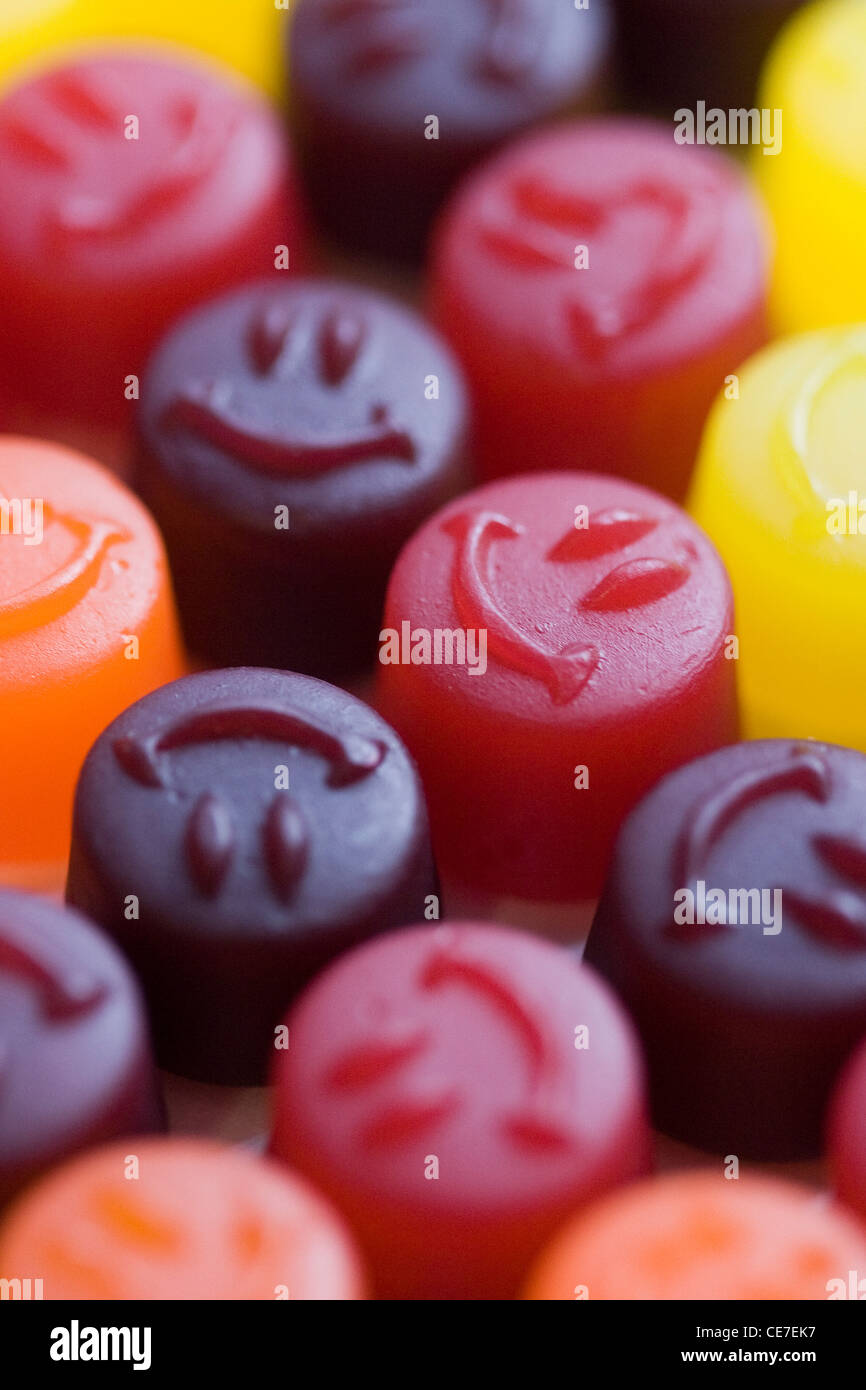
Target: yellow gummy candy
pixel 245 34
pixel 816 186
pixel 780 486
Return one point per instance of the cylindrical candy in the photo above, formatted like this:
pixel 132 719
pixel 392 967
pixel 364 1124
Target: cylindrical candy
pixel 600 283
pixel 291 439
pixel 132 185
pixel 816 187
pixel 776 488
pixel 846 1137
pixel 700 1236
pixel 393 100
pixel 178 1219
pixel 260 823
pixel 457 1092
pixel 551 645
pixel 75 1061
pixel 676 53
pixel 733 925
pixel 87 625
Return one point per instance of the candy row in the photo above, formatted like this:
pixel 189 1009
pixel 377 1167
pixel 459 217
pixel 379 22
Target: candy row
pixel 598 279
pixel 459 1095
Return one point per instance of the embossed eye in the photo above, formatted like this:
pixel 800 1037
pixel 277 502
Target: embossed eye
pixel 609 530
pixel 341 339
pixel 634 584
pixel 210 843
pixel 211 835
pixel 268 336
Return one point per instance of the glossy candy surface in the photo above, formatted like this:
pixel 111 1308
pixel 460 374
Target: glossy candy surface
pixel 87 625
pixel 603 614
pixel 178 1219
pixel 75 1061
pixel 132 185
pixel 700 1236
pixel 264 822
pixel 393 100
pixel 750 994
pixel 290 441
pixel 599 283
pixel 779 488
pixel 816 188
pixel 456 1092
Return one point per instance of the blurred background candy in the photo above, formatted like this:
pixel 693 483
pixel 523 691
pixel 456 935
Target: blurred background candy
pixel 696 1236
pixel 816 188
pixel 75 1062
pixel 599 283
pixel 776 488
pixel 132 185
pixel 393 100
pixel 87 625
pixel 179 1219
pixel 456 1092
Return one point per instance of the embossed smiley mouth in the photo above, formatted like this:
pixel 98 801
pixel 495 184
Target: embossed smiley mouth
pixel 211 412
pixel 52 597
pixel 276 340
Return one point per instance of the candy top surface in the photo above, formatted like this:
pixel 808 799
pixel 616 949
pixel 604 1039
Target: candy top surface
pixel 457 1041
pixel 484 67
pixel 584 625
pixel 816 75
pixel 81 199
pixel 81 563
pixel 197 1220
pixel 699 1236
pixel 70 1024
pixel 791 446
pixel 312 393
pixel 767 815
pixel 184 801
pixel 674 238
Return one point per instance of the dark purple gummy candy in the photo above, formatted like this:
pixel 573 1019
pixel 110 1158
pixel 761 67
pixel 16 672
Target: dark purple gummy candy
pixel 263 822
pixel 75 1061
pixel 746 1020
pixel 367 77
pixel 290 442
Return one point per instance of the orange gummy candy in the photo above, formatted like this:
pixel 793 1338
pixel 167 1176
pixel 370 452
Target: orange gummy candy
pixel 178 1219
pixel 87 626
pixel 701 1236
